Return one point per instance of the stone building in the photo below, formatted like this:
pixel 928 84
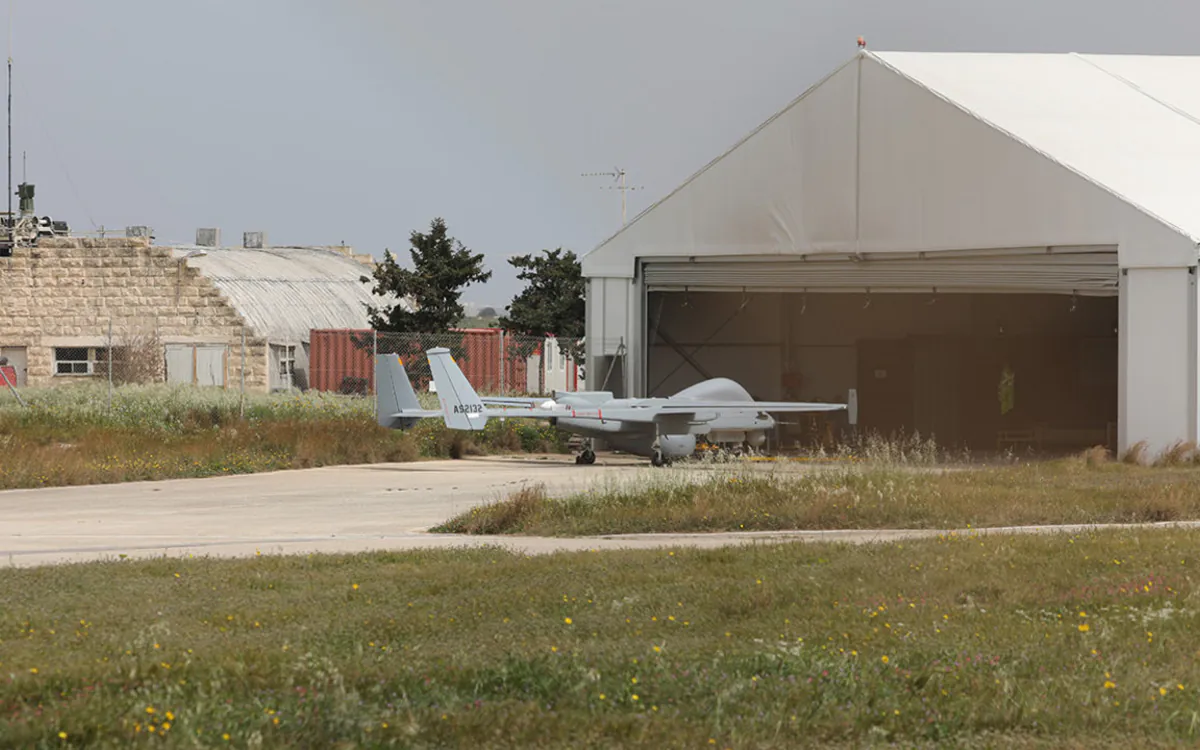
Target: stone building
pixel 180 314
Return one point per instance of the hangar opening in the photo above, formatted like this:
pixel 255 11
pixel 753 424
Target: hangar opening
pixel 969 240
pixel 979 351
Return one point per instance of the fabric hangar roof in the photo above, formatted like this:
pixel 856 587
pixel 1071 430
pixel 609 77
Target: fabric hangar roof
pixel 285 292
pixel 1002 149
pixel 1129 123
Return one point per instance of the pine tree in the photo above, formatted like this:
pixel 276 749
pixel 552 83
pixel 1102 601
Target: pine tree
pixel 442 267
pixel 552 303
pixel 426 298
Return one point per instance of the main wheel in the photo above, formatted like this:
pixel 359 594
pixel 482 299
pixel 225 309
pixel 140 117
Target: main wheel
pixel 657 459
pixel 588 457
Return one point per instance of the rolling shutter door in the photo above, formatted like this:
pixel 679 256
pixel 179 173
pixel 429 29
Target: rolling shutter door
pixel 1083 272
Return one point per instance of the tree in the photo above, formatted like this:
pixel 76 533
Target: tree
pixel 552 302
pixel 442 266
pixel 427 304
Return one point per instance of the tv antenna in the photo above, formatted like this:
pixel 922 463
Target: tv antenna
pixel 618 176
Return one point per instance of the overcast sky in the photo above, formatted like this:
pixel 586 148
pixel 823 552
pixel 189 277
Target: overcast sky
pixel 358 121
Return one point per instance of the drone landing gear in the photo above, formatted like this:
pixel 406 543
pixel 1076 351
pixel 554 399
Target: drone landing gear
pixel 587 456
pixel 656 456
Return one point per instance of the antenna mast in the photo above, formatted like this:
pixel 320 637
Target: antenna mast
pixel 618 176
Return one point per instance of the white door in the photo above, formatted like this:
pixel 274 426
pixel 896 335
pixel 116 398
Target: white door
pixel 210 365
pixel 179 364
pixel 533 374
pixel 196 364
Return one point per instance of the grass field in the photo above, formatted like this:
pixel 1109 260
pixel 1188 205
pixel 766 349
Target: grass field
pixel 1079 490
pixel 70 435
pixel 1083 641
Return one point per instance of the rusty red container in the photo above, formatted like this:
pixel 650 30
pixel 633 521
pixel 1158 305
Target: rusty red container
pixel 340 361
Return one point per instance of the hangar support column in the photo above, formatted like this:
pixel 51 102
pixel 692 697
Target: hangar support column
pixel 614 314
pixel 1159 358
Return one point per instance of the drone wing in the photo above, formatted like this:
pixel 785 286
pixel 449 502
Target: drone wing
pixel 463 409
pixel 762 406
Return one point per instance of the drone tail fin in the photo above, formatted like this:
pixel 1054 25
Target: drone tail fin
pixel 461 406
pixel 396 403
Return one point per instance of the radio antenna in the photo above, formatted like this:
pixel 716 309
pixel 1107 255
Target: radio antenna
pixel 618 176
pixel 12 221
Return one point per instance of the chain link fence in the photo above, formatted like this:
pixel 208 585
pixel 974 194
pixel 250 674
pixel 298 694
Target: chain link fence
pixel 495 363
pixel 120 353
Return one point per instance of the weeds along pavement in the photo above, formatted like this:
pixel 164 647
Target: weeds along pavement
pixel 866 495
pixel 73 436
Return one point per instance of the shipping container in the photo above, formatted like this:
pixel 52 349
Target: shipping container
pixel 340 359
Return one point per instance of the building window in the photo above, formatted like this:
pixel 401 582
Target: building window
pixel 79 360
pixel 285 365
pixel 287 362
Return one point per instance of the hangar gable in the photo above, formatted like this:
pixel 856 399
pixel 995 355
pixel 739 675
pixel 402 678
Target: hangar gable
pixel 920 152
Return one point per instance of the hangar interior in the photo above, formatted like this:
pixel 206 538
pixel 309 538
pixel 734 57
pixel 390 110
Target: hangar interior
pixel 979 371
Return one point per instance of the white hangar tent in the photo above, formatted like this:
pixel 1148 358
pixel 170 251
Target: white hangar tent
pixel 986 247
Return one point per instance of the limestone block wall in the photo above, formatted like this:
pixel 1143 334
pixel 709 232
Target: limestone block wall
pixel 65 291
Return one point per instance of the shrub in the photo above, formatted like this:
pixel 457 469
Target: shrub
pixel 1179 454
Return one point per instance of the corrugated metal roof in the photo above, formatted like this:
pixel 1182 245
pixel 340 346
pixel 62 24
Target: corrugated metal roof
pixel 1129 123
pixel 285 292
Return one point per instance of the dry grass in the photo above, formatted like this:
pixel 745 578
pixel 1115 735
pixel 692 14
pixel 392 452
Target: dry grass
pixel 72 438
pixel 1096 456
pixel 98 455
pixel 1085 489
pixel 1135 454
pixel 1179 454
pixel 1081 641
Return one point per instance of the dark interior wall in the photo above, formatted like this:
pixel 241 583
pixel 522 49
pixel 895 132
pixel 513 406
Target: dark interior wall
pixel 726 334
pixel 610 374
pixel 921 363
